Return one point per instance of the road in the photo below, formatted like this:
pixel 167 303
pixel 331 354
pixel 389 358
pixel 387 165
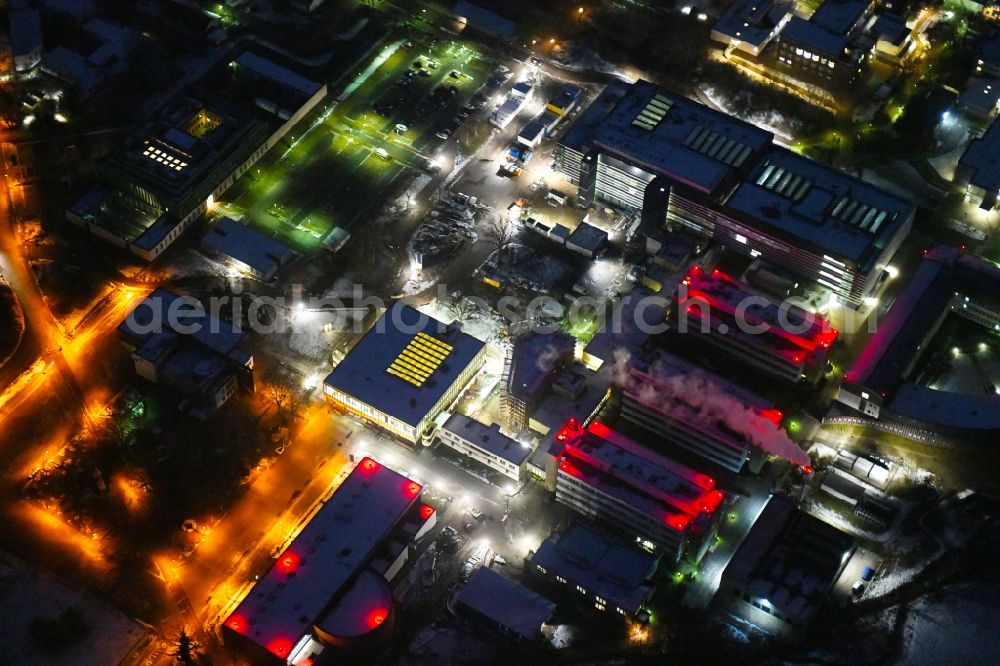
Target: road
pixel 208 583
pixel 732 532
pixel 56 384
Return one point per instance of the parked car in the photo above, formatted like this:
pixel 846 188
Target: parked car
pixel 867 574
pixel 858 589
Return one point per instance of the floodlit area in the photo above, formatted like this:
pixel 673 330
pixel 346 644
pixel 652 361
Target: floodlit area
pixel 337 169
pixel 491 331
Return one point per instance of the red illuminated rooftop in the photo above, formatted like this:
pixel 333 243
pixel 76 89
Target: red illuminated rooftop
pixel 329 552
pixel 790 331
pixel 618 466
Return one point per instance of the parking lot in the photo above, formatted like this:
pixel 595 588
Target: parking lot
pixel 843 590
pixel 362 150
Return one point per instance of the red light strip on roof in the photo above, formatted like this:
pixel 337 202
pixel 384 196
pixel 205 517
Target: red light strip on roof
pixel 377 617
pixel 280 647
pixel 824 337
pixel 288 562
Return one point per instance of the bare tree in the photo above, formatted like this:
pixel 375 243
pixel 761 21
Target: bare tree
pixel 461 308
pixel 278 393
pixel 500 233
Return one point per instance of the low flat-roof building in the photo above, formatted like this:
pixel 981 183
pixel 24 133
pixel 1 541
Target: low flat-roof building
pixel 175 342
pixel 843 487
pixel 783 340
pixel 249 250
pixel 784 569
pixel 587 240
pixel 598 567
pixel 328 590
pixel 687 407
pixel 978 170
pixel 512 609
pixel 565 100
pixel 173 168
pixel 654 500
pixel 485 20
pixel 485 444
pixel 980 98
pixel 865 466
pixel 85 72
pixel 404 371
pixel 632 320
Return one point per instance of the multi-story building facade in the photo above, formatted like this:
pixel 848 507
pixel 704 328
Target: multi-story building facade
pixel 643 148
pixel 781 339
pixel 694 410
pixel 486 445
pixel 882 388
pixel 597 567
pixel 817 56
pixel 819 223
pixel 655 500
pixel 532 364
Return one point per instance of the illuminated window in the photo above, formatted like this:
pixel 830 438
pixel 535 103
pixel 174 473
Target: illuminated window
pixel 541 569
pixel 581 590
pixel 560 579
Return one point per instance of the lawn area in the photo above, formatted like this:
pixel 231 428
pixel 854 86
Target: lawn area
pixel 341 166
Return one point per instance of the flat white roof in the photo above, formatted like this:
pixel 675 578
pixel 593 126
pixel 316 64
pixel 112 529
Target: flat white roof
pixel 326 555
pixel 487 438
